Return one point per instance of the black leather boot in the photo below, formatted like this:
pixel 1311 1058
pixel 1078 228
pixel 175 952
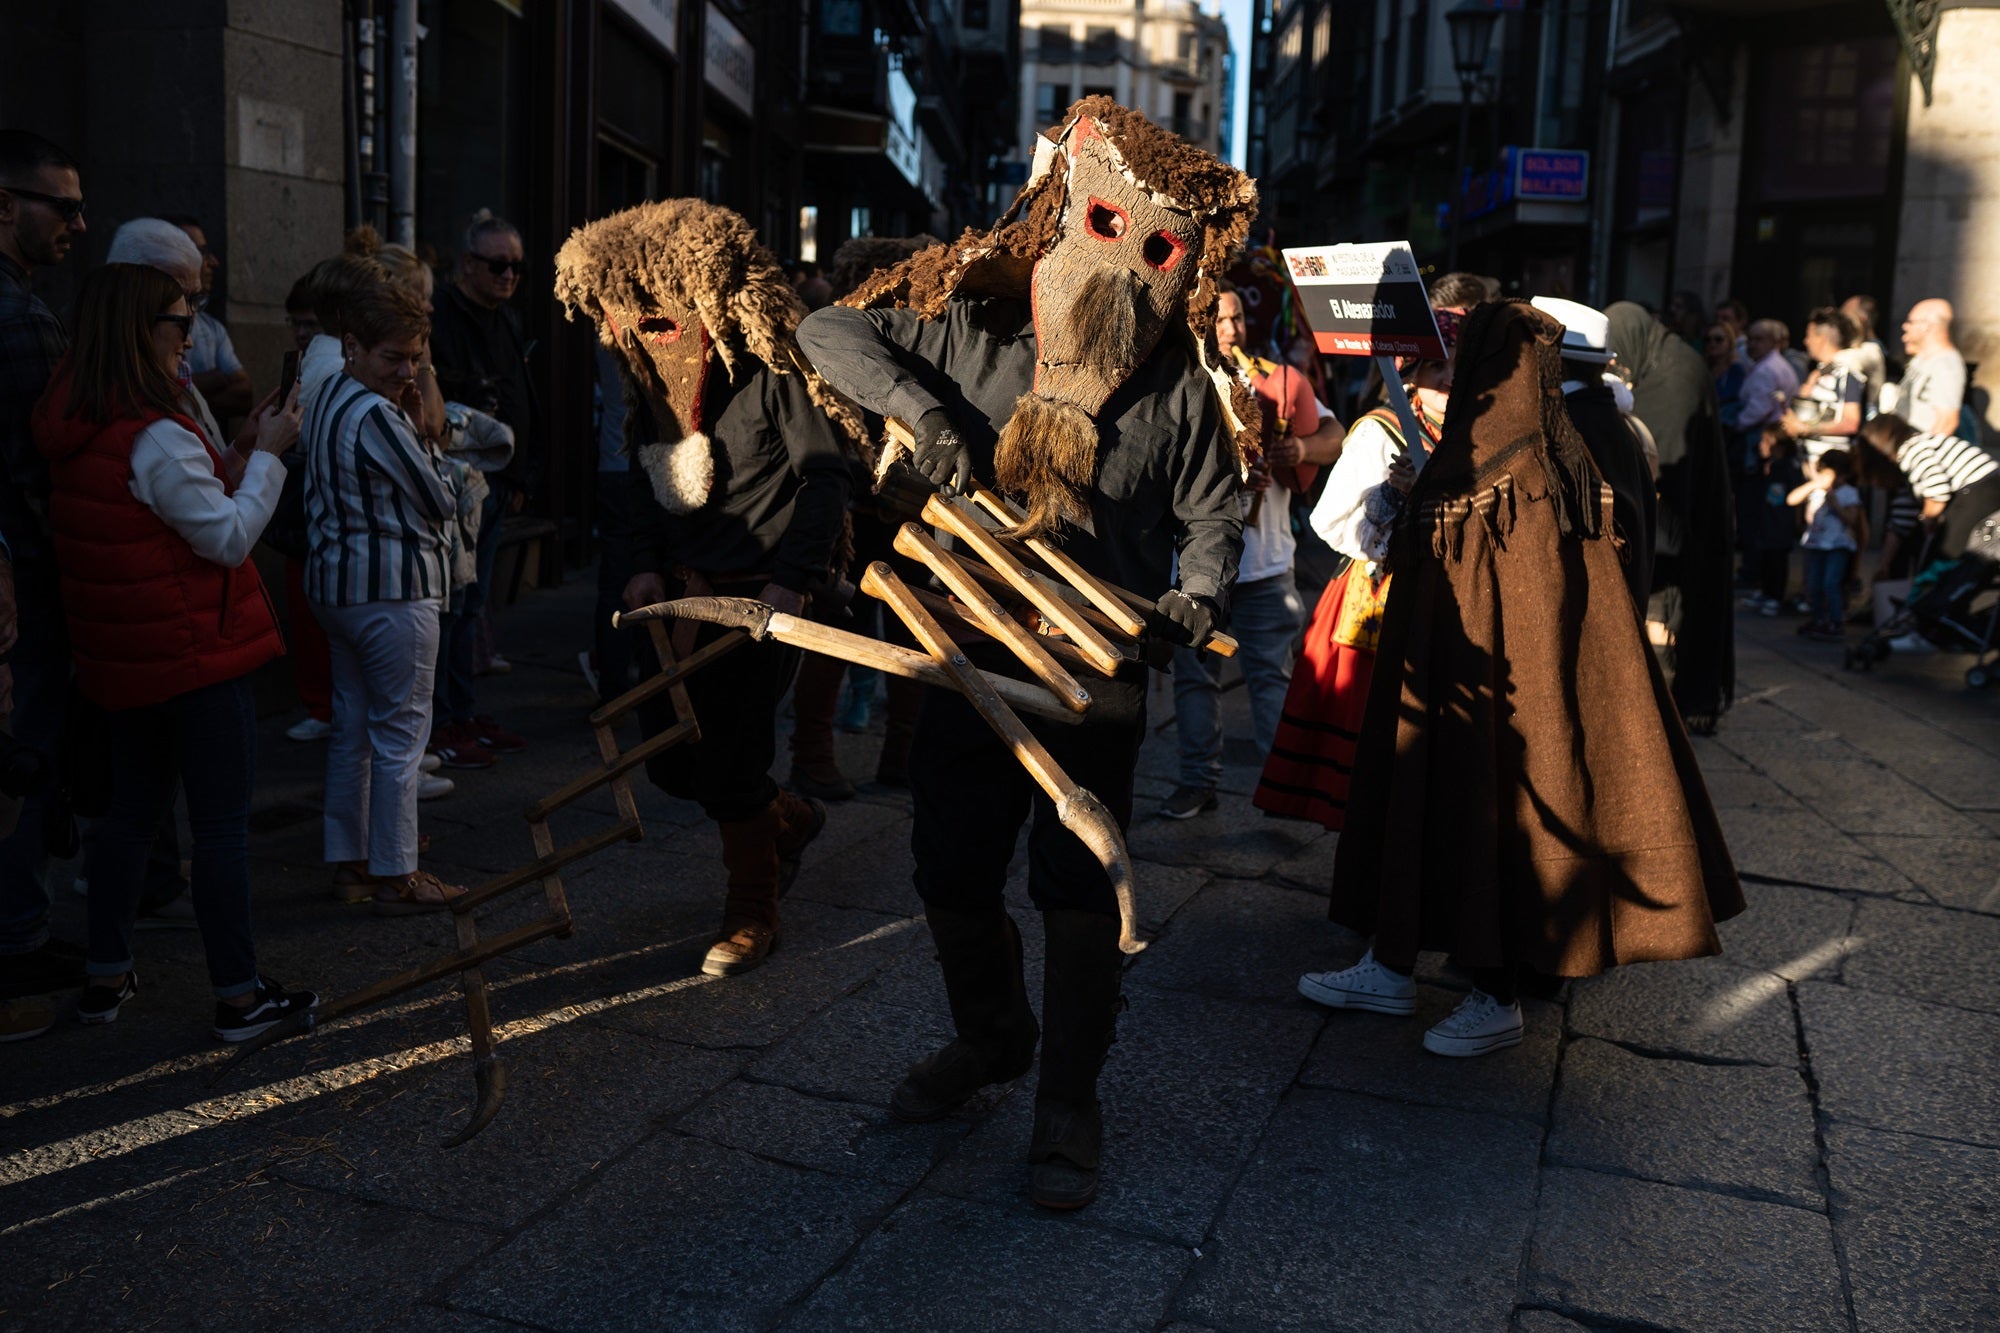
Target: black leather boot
pixel 1080 1003
pixel 980 953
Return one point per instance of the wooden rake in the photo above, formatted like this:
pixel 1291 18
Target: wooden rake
pixel 474 952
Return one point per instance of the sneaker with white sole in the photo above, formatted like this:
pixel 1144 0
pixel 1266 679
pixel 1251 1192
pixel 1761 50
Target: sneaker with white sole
pixel 272 1005
pixel 430 763
pixel 309 729
pixel 1912 644
pixel 1479 1024
pixel 431 788
pixel 100 1003
pixel 1367 985
pixel 1187 802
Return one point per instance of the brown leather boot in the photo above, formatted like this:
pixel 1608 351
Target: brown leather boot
pixel 800 819
pixel 1080 1003
pixel 815 697
pixel 750 912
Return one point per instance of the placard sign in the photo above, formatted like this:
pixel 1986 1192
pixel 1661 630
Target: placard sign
pixel 1365 300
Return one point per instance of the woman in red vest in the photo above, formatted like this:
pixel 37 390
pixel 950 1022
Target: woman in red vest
pixel 167 619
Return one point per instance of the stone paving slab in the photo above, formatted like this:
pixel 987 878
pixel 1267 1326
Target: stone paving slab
pixel 1363 1214
pixel 1901 1064
pixel 960 1266
pixel 1791 931
pixel 1800 847
pixel 1184 1097
pixel 1919 1221
pixel 1950 958
pixel 1243 940
pixel 1954 872
pixel 680 1234
pixel 1706 1007
pixel 1236 839
pixel 215 1251
pixel 1378 1054
pixel 1631 1252
pixel 824 1134
pixel 1738 1129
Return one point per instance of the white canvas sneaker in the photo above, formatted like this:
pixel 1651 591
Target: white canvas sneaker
pixel 1479 1024
pixel 1367 985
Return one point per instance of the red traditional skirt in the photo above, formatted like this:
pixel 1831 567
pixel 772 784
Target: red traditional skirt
pixel 1306 774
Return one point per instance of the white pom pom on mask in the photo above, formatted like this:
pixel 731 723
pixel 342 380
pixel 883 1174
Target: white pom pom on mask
pixel 682 474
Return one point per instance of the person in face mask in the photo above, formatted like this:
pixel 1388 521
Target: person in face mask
pixel 1066 357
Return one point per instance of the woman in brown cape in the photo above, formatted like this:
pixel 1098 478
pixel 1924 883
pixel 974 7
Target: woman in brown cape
pixel 1524 794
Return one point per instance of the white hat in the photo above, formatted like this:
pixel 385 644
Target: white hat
pixel 1586 332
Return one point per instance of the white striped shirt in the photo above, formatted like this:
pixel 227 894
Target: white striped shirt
pixel 379 505
pixel 1940 466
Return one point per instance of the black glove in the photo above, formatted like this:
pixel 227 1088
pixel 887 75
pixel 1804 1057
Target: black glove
pixel 940 457
pixel 1184 618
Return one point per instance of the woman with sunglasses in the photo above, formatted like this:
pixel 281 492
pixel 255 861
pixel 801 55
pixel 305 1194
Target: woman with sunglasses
pixel 167 618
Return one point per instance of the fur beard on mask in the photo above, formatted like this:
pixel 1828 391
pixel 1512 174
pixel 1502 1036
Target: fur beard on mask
pixel 1048 454
pixel 682 474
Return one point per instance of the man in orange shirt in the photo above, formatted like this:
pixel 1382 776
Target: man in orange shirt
pixel 1300 437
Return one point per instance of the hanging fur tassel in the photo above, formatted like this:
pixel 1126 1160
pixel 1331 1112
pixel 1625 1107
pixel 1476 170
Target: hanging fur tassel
pixel 1048 455
pixel 682 474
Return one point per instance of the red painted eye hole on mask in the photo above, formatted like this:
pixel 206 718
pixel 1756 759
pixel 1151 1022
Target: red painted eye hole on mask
pixel 1107 222
pixel 1163 250
pixel 659 329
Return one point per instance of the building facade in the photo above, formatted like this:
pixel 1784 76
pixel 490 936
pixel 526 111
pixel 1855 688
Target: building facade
pixel 1166 58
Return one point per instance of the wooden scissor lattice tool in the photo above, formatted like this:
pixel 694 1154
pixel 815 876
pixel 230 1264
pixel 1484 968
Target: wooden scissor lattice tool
pixel 1055 617
pixel 474 952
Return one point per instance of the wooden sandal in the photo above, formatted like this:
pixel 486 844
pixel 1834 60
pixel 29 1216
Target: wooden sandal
pixel 414 894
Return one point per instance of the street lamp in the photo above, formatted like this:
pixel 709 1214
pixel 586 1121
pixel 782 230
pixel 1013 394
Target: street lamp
pixel 1471 25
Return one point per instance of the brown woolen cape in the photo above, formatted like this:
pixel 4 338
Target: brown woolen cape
pixel 1523 791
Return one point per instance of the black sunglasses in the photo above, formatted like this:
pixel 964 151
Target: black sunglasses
pixel 68 209
pixel 497 267
pixel 184 322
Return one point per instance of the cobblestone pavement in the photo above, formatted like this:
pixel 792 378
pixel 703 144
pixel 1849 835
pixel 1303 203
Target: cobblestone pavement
pixel 1801 1134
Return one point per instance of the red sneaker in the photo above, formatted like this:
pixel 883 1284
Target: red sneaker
pixel 496 737
pixel 458 747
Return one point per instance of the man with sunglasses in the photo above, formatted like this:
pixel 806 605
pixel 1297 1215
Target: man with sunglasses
pixel 481 354
pixel 212 361
pixel 41 214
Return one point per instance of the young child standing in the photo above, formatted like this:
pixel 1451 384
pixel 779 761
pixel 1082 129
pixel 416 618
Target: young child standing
pixel 1835 525
pixel 1776 530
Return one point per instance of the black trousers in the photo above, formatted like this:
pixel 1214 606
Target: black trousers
pixel 735 699
pixel 972 796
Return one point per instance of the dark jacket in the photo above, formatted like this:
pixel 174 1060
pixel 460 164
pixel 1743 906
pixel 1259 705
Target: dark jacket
pixel 1166 480
pixel 1618 455
pixel 32 342
pixel 778 506
pixel 481 357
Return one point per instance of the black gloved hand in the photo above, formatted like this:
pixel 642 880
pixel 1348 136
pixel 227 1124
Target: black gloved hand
pixel 940 457
pixel 1185 618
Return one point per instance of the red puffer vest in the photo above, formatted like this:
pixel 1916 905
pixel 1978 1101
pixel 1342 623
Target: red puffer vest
pixel 148 618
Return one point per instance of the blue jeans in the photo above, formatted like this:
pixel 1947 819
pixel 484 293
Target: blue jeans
pixel 41 700
pixel 459 630
pixel 205 743
pixel 1264 617
pixel 1826 584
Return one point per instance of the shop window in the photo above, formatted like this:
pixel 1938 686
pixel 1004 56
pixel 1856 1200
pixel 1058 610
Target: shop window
pixel 1832 118
pixel 624 178
pixel 1051 100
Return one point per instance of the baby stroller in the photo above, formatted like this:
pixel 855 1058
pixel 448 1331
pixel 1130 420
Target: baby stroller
pixel 1941 607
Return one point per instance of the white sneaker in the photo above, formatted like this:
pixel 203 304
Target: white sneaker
pixel 1912 643
pixel 430 763
pixel 309 729
pixel 1479 1024
pixel 1367 985
pixel 431 788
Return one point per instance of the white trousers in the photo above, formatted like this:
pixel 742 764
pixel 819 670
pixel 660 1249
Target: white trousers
pixel 384 657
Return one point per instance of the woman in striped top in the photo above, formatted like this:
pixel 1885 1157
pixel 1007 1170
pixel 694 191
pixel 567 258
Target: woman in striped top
pixel 379 506
pixel 1956 482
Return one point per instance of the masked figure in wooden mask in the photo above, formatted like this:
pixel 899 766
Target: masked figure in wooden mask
pixel 1065 355
pixel 744 458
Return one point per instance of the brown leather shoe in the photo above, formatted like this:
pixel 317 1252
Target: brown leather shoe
pixel 750 912
pixel 743 944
